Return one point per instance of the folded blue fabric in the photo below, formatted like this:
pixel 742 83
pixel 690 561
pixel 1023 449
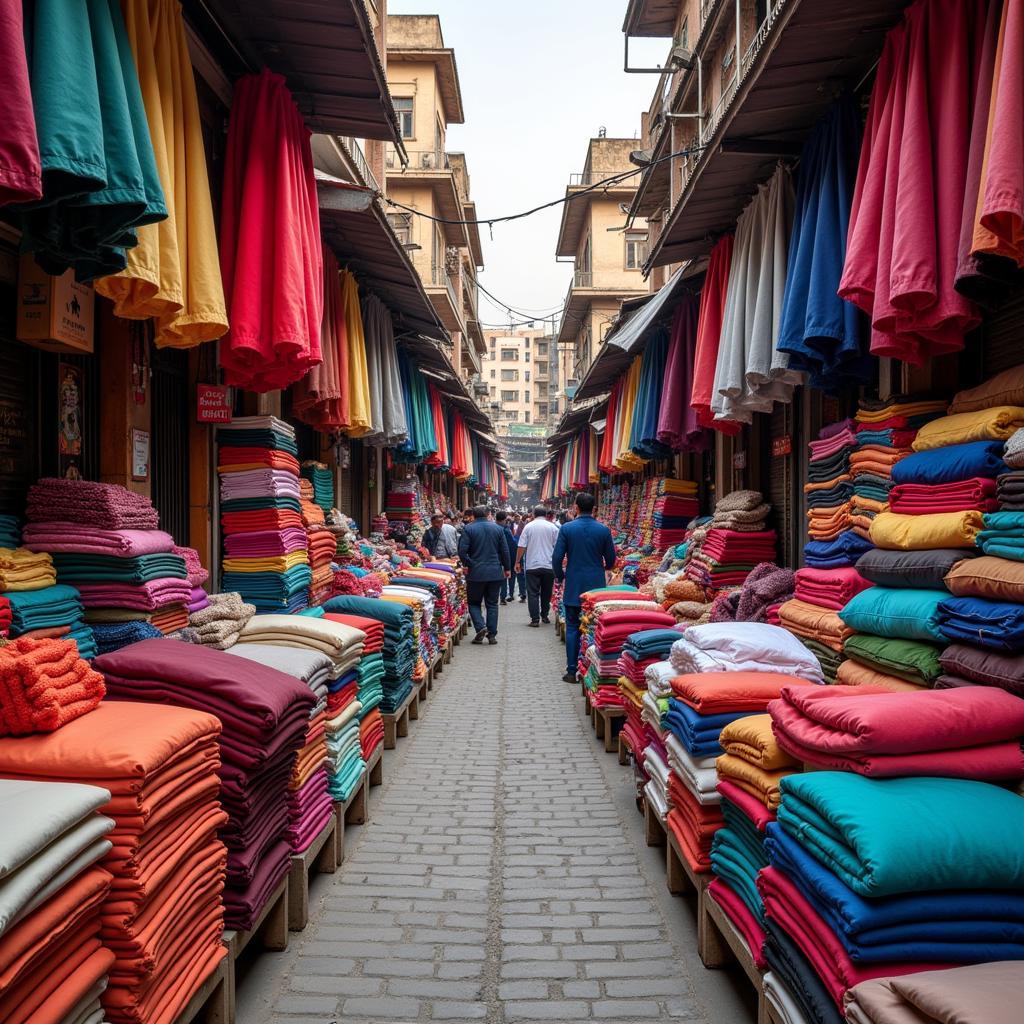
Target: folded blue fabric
pixel 998 625
pixel 950 464
pixel 887 611
pixel 112 636
pixel 834 554
pixel 799 977
pixel 738 862
pixel 648 642
pixel 698 733
pixel 955 926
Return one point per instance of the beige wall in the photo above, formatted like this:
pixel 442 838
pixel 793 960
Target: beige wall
pixel 419 81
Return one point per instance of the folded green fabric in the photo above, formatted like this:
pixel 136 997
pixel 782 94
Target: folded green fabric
pixel 883 837
pixel 80 568
pixel 912 660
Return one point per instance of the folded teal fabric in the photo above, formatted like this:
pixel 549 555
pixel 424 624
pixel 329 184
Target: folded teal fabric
pixel 81 568
pixel 888 836
pixel 887 611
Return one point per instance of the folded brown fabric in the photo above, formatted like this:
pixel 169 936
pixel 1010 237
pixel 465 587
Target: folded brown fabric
pixel 998 579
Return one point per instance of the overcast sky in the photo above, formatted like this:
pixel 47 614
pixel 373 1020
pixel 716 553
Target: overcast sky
pixel 539 78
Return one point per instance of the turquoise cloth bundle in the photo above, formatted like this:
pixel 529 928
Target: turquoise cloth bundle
pixel 898 613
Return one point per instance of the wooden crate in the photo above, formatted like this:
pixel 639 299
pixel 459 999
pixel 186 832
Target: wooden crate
pixel 353 811
pixel 270 927
pixel 321 856
pixel 719 944
pixel 214 1000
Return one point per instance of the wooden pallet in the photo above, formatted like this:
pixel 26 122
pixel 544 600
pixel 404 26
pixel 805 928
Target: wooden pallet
pixel 397 725
pixel 270 927
pixel 214 1000
pixel 604 726
pixel 322 857
pixel 353 811
pixel 719 943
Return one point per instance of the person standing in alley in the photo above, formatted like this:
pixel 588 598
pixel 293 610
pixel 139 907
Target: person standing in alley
pixel 484 551
pixel 440 539
pixel 534 552
pixel 519 577
pixel 508 586
pixel 584 553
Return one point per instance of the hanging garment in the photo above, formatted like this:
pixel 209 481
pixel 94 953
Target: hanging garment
pixel 625 460
pixel 907 209
pixel 645 443
pixel 387 413
pixel 820 332
pixel 359 422
pixel 709 335
pixel 100 179
pixel 678 424
pixel 173 274
pixel 271 258
pixel 21 174
pixel 752 374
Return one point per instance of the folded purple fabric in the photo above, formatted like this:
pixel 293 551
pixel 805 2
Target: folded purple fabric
pixel 198 601
pixel 108 506
pixel 74 538
pixel 265 543
pixel 259 483
pixel 147 596
pixel 302 833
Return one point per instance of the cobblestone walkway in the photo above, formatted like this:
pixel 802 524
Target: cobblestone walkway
pixel 502 877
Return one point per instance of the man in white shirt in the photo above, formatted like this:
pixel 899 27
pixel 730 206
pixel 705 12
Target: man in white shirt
pixel 536 546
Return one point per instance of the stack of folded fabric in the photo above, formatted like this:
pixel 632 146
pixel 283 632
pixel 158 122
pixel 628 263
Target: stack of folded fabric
pixel 163 916
pixel 641 650
pixel 592 602
pixel 966 665
pixel 267 558
pixel 613 630
pixel 369 679
pixel 10 532
pixel 749 773
pixel 320 542
pixel 112 636
pixel 52 613
pixel 309 804
pixel 44 684
pixel 675 504
pixel 421 605
pixel 722 551
pixel 320 476
pixel 743 647
pixel 873 879
pixel 220 623
pixel 264 716
pixel 197 577
pixel 53 966
pixel 105 506
pixel 830 484
pixel 21 569
pixel 5 617
pixel 440 581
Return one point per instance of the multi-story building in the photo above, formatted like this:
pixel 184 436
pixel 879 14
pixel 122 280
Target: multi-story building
pixel 424 82
pixel 510 373
pixel 607 257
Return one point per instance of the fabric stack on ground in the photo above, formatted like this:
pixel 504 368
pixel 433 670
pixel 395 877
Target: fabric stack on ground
pixel 52 613
pixel 883 878
pixel 369 679
pixel 265 544
pixel 722 551
pixel 322 480
pixel 164 915
pixel 220 623
pixel 309 803
pixel 53 964
pixel 264 716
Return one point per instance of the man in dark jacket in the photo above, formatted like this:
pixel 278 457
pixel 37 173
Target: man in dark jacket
pixel 584 553
pixel 484 551
pixel 508 586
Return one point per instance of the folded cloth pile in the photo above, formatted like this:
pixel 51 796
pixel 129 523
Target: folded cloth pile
pixel 884 878
pixel 997 625
pixel 112 636
pixel 399 648
pixel 78 539
pixel 83 568
pixel 163 916
pixel 104 506
pixel 268 561
pixel 977 493
pixel 889 663
pixel 909 613
pixel 694 814
pixel 613 629
pixel 10 532
pixel 369 679
pixel 641 650
pixel 814 622
pixel 1003 535
pixel 830 487
pixel 997 423
pixel 718 555
pixel 53 613
pixel 675 504
pixel 743 647
pixel 322 479
pixel 44 684
pixel 220 624
pixel 986 993
pixel 264 716
pixel 922 532
pixel 5 617
pixel 22 569
pixel 838 553
pixel 53 963
pixel 341 643
pixel 828 588
pixel 322 547
pixel 966 665
pixel 1010 490
pixel 440 580
pixel 969 733
pixel 309 804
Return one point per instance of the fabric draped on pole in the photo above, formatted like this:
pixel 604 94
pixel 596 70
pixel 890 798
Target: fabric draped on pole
pixel 421 441
pixel 679 426
pixel 271 260
pixel 387 410
pixel 21 173
pixel 644 440
pixel 358 382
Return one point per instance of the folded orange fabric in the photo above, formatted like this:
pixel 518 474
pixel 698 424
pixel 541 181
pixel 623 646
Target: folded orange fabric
pixel 752 739
pixel 853 673
pixel 760 783
pixel 814 623
pixel 710 693
pixel 44 684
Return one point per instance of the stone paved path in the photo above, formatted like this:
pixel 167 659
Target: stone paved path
pixel 502 878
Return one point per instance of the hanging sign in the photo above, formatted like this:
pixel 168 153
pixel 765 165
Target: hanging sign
pixel 782 446
pixel 140 454
pixel 213 404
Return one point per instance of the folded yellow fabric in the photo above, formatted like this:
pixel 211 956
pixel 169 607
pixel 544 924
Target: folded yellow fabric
pixel 996 424
pixel 751 739
pixel 761 784
pixel 282 563
pixel 899 409
pixel 896 532
pixel 21 569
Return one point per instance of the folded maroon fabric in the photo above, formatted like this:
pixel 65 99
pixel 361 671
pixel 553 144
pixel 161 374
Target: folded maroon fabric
pixel 147 596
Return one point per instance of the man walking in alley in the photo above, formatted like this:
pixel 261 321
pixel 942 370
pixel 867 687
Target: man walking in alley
pixel 484 551
pixel 508 585
pixel 533 557
pixel 440 539
pixel 584 552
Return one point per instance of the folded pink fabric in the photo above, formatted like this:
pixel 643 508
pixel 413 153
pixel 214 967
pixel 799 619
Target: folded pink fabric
pixel 827 446
pixel 147 596
pixel 754 809
pixel 961 496
pixel 970 732
pixel 746 924
pixel 61 536
pixel 829 588
pixel 265 543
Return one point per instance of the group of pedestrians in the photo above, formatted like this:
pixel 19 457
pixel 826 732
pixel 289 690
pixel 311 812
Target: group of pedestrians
pixel 579 553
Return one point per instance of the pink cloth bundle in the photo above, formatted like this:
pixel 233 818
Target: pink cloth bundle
pixel 760 816
pixel 829 588
pixel 827 446
pixel 978 493
pixel 108 506
pixel 197 574
pixel 259 483
pixel 265 543
pixel 147 596
pixel 739 913
pixel 969 732
pixel 727 546
pixel 198 601
pixel 75 538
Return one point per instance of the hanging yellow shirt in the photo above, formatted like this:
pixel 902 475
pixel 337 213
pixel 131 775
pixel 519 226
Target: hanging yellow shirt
pixel 358 375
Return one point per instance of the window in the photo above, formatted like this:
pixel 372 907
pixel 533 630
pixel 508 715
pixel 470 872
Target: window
pixel 513 415
pixel 527 342
pixel 527 398
pixel 494 391
pixel 541 389
pixel 636 249
pixel 527 376
pixel 684 34
pixel 493 374
pixel 526 357
pixel 510 396
pixel 541 348
pixel 508 375
pixel 509 355
pixel 527 418
pixel 403 107
pixel 493 342
pixel 541 368
pixel 542 408
pixel 401 224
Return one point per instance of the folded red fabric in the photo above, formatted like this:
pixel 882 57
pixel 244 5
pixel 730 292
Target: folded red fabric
pixel 739 913
pixel 710 693
pixel 829 588
pixel 961 496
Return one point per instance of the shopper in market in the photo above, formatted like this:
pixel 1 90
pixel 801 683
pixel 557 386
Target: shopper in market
pixel 584 553
pixel 440 539
pixel 484 551
pixel 534 550
pixel 508 586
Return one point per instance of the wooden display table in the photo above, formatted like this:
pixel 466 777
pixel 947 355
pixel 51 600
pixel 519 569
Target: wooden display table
pixel 397 724
pixel 321 856
pixel 214 1000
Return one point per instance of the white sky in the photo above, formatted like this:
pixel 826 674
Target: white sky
pixel 539 78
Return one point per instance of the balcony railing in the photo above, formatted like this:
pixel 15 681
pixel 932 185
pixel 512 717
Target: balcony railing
pixel 419 160
pixel 439 276
pixel 355 153
pixel 583 279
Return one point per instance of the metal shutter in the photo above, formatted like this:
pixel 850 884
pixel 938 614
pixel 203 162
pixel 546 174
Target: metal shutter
pixel 781 489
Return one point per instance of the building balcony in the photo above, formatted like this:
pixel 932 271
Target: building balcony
pixel 445 298
pixel 584 289
pixel 358 158
pixel 429 167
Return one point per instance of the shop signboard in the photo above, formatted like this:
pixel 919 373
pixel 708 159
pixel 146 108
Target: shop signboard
pixel 213 404
pixel 54 313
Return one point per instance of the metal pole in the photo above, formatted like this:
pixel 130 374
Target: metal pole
pixel 738 50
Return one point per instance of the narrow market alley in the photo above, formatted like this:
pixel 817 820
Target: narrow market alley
pixel 506 881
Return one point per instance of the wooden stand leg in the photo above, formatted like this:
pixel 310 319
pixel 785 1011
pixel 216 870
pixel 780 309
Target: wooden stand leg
pixel 414 709
pixel 377 772
pixel 675 877
pixel 402 724
pixel 356 813
pixel 390 732
pixel 275 929
pixel 654 833
pixel 623 751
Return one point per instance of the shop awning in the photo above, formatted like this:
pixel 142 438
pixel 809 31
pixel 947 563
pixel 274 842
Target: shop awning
pixel 354 225
pixel 324 48
pixel 789 74
pixel 626 339
pixel 576 418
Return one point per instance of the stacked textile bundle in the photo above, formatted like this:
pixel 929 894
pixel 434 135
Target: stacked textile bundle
pixel 402 506
pixel 322 480
pixel 320 542
pixel 264 716
pixel 163 916
pixel 21 569
pixel 105 506
pixel 675 504
pixel 743 647
pixel 830 484
pixel 10 532
pixel 640 651
pixel 421 604
pixel 874 879
pixel 613 630
pixel 53 966
pixel 369 679
pixel 197 577
pixel 600 674
pixel 220 623
pixel 309 804
pixel 265 543
pixel 5 617
pixel 52 613
pixel 723 551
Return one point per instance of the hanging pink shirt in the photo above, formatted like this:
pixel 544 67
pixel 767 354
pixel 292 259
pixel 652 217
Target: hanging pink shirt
pixel 20 167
